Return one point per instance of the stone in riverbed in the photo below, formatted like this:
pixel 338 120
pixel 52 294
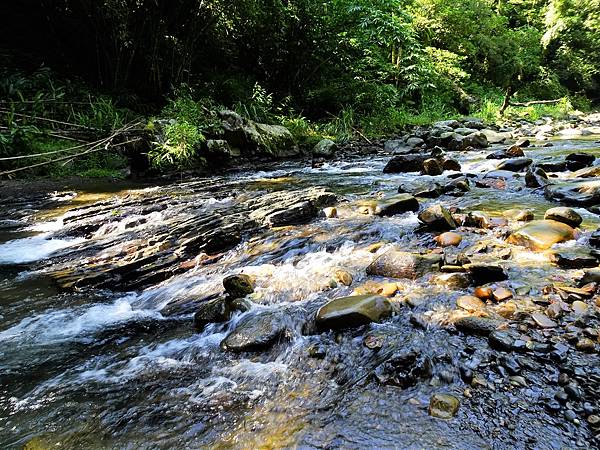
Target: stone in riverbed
pixel 432 166
pixel 238 286
pixel 520 215
pixel 577 161
pixel 455 280
pixel 404 163
pixel 354 311
pixel 443 406
pixel 469 303
pixel 564 215
pixel 486 273
pixel 515 164
pixel 543 321
pixel 542 234
pixel 256 331
pixel 212 310
pixel 451 164
pixel 343 277
pixel 397 264
pixel 585 193
pixel 324 148
pixel 397 204
pixel 476 325
pixel 448 239
pixel 437 218
pixel 536 177
pixel 573 260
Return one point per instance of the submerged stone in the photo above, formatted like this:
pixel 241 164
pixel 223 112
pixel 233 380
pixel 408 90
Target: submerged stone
pixel 256 332
pixel 353 311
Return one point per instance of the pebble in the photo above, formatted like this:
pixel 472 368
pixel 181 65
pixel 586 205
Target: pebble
pixel 443 406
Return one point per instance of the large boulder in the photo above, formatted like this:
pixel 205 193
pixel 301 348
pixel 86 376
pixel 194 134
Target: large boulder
pixel 494 137
pixel 536 177
pixel 212 310
pixel 348 312
pixel 254 138
pixel 404 163
pixel 239 285
pixel 585 193
pixel 542 234
pixel 437 218
pixel 325 148
pixel 397 204
pixel 398 264
pixel 564 215
pixel 475 140
pixel 432 166
pixel 578 161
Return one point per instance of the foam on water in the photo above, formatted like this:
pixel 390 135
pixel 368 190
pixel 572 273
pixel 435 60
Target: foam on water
pixel 32 249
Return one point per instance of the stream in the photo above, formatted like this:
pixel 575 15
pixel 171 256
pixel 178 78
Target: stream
pixel 98 292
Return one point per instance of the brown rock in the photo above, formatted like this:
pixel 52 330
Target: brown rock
pixel 543 321
pixel 500 294
pixel 469 303
pixel 542 234
pixel 484 293
pixel 448 239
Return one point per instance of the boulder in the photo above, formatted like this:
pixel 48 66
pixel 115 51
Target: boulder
pixel 465 131
pixel 447 123
pixel 469 303
pixel 238 286
pixel 552 166
pixel 219 149
pixel 584 193
pixel 494 137
pixel 485 273
pixel 398 264
pixel 437 218
pixel 564 215
pixel 353 311
pixel 213 310
pixel 577 161
pixel 520 215
pixel 515 164
pixel 256 331
pixel 325 148
pixel 397 204
pixel 476 325
pixel 454 280
pixel 451 164
pixel 536 177
pixel 587 172
pixel 415 142
pixel 431 166
pixel 542 234
pixel 448 239
pixel 573 259
pixel 475 140
pixel 404 164
pixel 397 147
pixel 423 190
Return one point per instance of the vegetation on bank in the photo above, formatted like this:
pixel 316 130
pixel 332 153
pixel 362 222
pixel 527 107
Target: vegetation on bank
pixel 340 69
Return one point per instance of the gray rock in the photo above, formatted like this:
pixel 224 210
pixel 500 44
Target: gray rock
pixel 325 148
pixel 256 331
pixel 515 164
pixel 404 163
pixel 414 142
pixel 477 325
pixel 437 218
pixel 354 311
pixel 536 177
pixel 239 285
pixel 432 166
pixel 585 193
pixel 397 204
pixel 564 215
pixel 447 123
pixel 476 140
pixel 398 264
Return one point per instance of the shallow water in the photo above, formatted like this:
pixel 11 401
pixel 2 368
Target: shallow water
pixel 102 369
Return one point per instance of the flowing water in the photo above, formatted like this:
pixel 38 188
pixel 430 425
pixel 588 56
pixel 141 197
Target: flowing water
pixel 101 368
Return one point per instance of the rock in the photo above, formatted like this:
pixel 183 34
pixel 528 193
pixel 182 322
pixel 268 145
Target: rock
pixel 256 331
pixel 523 143
pixel 552 166
pixel 498 154
pixel 457 186
pixel 469 303
pixel 443 406
pixel 594 240
pixel 330 212
pixel 475 140
pixel 354 311
pixel 437 218
pixel 501 294
pixel 573 260
pixel 397 204
pixel 431 166
pixel 219 149
pixel 465 130
pixel 451 164
pixel 448 239
pixel 456 142
pixel 212 310
pixel 456 280
pixel 585 345
pixel 342 276
pixel 484 293
pixel 515 164
pixel 501 340
pixel 404 368
pixel 542 234
pixel 520 215
pixel 493 137
pixel 397 147
pixel 543 321
pixel 536 177
pixel 447 123
pixel 325 148
pixel 397 264
pixel 415 142
pixel 476 325
pixel 585 193
pixel 238 286
pixel 486 273
pixel 515 151
pixel 423 190
pixel 404 163
pixel 474 122
pixel 564 215
pixel 580 308
pixel 588 172
pixel 500 174
pixel 577 161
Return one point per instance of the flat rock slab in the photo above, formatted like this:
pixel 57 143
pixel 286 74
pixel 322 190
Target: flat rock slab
pixel 353 311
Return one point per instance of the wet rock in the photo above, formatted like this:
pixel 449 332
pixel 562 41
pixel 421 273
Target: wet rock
pixel 219 149
pixel 343 277
pixel 564 215
pixel 501 294
pixel 501 340
pixel 584 193
pixel 552 166
pixel 354 311
pixel 397 147
pixel 404 163
pixel 484 293
pixel 573 260
pixel 580 308
pixel 451 164
pixel 515 164
pixel 590 276
pixel 330 212
pixel 456 280
pixel 595 239
pixel 414 142
pixel 494 137
pixel 475 140
pixel 469 303
pixel 256 331
pixel 447 123
pixel 397 204
pixel 213 310
pixel 486 273
pixel 423 190
pixel 589 172
pixel 543 321
pixel 521 215
pixel 239 285
pixel 404 368
pixel 476 325
pixel 437 218
pixel 432 166
pixel 397 264
pixel 585 344
pixel 448 239
pixel 325 148
pixel 542 234
pixel 443 406
pixel 536 177
pixel 523 142
pixel 577 161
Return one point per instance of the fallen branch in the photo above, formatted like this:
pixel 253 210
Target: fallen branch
pixel 535 102
pixel 45 119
